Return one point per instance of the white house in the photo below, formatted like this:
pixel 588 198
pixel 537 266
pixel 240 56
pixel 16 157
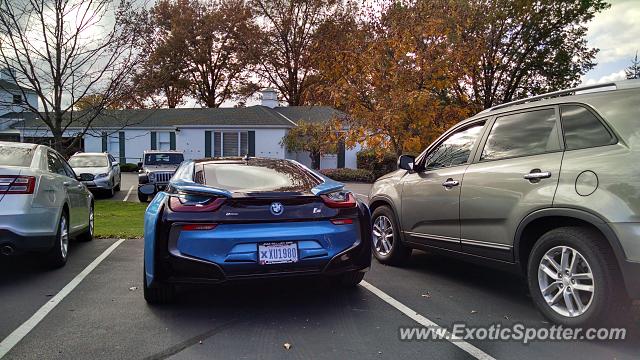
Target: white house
pixel 255 130
pixel 13 99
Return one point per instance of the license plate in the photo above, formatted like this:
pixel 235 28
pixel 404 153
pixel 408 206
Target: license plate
pixel 277 253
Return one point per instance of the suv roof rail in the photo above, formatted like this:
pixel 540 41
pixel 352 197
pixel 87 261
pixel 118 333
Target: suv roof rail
pixel 577 90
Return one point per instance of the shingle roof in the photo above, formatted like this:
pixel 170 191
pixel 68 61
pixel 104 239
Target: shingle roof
pixel 149 118
pixel 310 113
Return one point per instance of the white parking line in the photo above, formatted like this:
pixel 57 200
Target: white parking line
pixel 470 349
pixel 128 193
pixel 18 334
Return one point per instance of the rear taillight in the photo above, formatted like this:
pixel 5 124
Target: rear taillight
pixel 198 227
pixel 339 199
pixel 342 221
pixel 193 204
pixel 10 184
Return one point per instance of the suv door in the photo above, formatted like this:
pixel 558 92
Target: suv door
pixel 431 194
pixel 515 173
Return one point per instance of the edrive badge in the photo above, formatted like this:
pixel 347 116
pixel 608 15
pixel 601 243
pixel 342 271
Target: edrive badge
pixel 276 208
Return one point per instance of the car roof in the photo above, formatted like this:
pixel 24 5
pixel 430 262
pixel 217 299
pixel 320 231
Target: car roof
pixel 89 154
pixel 19 145
pixel 578 94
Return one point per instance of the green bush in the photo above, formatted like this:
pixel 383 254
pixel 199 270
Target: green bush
pixel 377 164
pixel 356 175
pixel 128 167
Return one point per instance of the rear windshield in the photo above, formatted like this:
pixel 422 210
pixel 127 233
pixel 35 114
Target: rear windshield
pixel 257 175
pixel 15 155
pixel 88 161
pixel 163 159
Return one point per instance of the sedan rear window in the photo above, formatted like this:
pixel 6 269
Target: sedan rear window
pixel 15 156
pixel 257 175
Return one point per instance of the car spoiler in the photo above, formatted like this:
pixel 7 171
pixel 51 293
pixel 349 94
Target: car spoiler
pixel 326 186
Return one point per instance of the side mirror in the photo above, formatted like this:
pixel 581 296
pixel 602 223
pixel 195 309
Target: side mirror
pixel 115 163
pixel 405 162
pixel 140 165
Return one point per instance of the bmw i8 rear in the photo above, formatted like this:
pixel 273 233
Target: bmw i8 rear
pixel 229 219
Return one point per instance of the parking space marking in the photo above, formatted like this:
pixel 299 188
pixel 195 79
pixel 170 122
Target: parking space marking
pixel 457 341
pixel 128 193
pixel 18 334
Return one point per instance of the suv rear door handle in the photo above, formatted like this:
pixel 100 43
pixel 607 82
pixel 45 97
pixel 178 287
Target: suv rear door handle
pixel 450 183
pixel 537 175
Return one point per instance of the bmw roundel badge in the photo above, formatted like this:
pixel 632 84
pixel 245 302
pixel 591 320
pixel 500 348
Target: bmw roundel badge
pixel 276 208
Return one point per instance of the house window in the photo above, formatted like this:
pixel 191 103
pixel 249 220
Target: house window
pixel 164 140
pixel 230 143
pixel 17 99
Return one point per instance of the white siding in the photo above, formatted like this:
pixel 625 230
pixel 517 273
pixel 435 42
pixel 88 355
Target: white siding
pixel 268 143
pixel 191 142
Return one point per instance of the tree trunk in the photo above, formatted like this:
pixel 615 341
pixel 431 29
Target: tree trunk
pixel 315 160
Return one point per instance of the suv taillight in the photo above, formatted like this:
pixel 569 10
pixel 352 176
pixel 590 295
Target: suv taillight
pixel 11 184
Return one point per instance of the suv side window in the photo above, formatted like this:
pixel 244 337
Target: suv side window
pixel 522 134
pixel 456 149
pixel 54 164
pixel 582 129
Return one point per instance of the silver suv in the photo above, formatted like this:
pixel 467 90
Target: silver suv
pixel 548 186
pixel 156 170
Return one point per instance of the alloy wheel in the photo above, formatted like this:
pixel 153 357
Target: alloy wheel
pixel 91 220
pixel 566 281
pixel 64 237
pixel 383 235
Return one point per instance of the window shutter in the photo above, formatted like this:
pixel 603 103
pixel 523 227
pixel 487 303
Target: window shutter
pixel 207 144
pixel 172 140
pixel 104 141
pixel 341 154
pixel 252 143
pixel 154 142
pixel 123 158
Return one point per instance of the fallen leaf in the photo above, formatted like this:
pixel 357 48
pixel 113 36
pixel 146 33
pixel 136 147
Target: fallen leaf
pixel 474 311
pixel 200 342
pixel 287 346
pixel 133 288
pixel 426 295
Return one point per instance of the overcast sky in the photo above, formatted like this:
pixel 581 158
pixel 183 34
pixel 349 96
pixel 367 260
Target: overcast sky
pixel 616 32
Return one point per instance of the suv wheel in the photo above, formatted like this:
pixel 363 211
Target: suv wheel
pixel 387 247
pixel 87 235
pixel 142 197
pixel 573 276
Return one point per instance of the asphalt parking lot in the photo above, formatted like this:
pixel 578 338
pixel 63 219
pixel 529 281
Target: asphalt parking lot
pixel 105 315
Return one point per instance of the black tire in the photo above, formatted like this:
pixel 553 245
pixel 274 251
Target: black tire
pixel 57 256
pixel 607 291
pixel 399 253
pixel 159 294
pixel 142 197
pixel 87 235
pixel 111 192
pixel 117 188
pixel 350 279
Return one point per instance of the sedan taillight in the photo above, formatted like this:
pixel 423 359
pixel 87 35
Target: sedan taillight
pixel 194 204
pixel 339 199
pixel 11 184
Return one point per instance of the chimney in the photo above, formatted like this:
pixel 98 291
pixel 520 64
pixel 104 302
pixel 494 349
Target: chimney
pixel 5 74
pixel 269 98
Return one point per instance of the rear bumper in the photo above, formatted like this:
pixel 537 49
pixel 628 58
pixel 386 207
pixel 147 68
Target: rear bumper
pixel 19 243
pixel 231 256
pixel 33 222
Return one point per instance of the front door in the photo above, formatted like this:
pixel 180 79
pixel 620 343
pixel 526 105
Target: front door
pixel 431 194
pixel 515 173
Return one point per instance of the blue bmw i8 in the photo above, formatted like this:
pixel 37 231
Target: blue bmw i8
pixel 223 219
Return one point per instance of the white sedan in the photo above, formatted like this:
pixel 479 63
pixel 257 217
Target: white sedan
pixel 42 204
